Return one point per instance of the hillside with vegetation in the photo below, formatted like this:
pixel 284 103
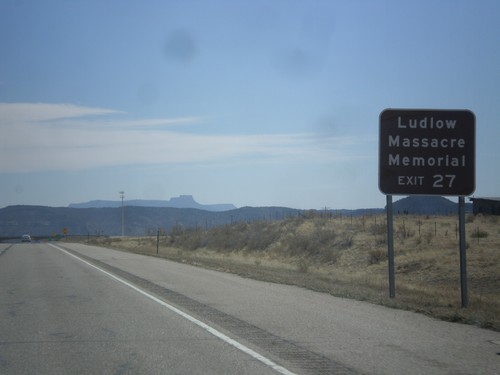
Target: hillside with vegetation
pixel 100 220
pixel 41 221
pixel 347 256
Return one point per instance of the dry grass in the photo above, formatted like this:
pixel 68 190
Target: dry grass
pixel 347 257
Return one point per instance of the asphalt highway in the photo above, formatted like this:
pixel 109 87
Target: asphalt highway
pixel 77 309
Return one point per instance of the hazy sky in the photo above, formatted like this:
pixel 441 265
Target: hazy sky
pixel 255 103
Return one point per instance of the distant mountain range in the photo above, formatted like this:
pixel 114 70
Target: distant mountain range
pixel 427 205
pixel 182 201
pixel 138 221
pixel 98 219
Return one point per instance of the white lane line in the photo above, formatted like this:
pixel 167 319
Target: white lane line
pixel 192 319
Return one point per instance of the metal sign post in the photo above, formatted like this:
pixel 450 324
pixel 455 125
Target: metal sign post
pixel 390 246
pixel 463 260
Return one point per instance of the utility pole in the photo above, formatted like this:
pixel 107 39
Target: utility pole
pixel 122 195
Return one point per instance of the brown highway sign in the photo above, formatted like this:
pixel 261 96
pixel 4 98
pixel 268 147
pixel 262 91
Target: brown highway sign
pixel 427 152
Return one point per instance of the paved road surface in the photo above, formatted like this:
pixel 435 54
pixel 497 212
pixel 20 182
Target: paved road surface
pixel 59 314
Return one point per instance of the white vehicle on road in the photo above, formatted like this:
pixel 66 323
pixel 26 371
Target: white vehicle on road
pixel 25 238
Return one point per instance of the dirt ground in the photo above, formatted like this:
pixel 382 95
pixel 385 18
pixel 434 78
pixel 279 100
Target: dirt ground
pixel 427 263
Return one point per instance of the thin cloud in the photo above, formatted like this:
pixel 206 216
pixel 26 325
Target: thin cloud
pixel 125 125
pixel 69 137
pixel 26 112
